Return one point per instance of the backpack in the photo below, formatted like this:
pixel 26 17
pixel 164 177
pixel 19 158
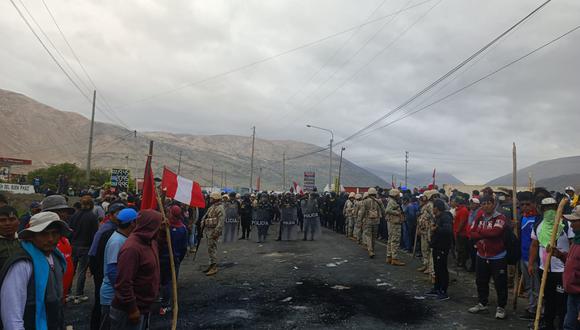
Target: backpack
pixel 512 246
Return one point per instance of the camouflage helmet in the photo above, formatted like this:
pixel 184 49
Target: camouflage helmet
pixel 215 195
pixel 351 195
pixel 357 196
pixel 372 191
pixel 365 195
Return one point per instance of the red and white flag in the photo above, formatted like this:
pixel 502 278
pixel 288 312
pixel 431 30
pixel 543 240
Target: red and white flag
pixel 297 188
pixel 181 189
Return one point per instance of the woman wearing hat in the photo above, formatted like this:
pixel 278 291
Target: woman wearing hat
pixel 31 293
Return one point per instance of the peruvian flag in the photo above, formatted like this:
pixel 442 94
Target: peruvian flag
pixel 181 189
pixel 297 188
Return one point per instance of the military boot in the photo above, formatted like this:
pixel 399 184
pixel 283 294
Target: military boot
pixel 371 254
pixel 208 268
pixel 212 270
pixel 389 260
pixel 397 262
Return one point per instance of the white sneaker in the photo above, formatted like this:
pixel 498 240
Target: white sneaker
pixel 500 313
pixel 478 309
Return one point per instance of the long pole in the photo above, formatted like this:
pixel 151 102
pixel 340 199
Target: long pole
pixel 515 220
pixel 212 177
pixel 252 160
pixel 330 166
pixel 548 260
pixel 179 164
pixel 88 175
pixel 340 169
pixel 136 181
pixel 284 171
pixel 406 164
pixel 171 262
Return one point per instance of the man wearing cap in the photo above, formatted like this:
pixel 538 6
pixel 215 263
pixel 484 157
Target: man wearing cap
pixel 349 215
pixel 213 224
pixel 541 238
pixel 31 295
pixel 138 274
pixel 395 218
pixel 425 221
pixel 571 279
pixel 125 223
pixel 58 205
pixel 97 256
pixel 358 228
pixel 370 212
pixel 9 244
pixel 572 197
pixel 84 225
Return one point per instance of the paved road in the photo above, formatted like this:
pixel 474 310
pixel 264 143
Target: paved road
pixel 325 284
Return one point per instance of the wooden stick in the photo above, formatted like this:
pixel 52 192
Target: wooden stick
pixel 515 220
pixel 415 244
pixel 548 260
pixel 171 262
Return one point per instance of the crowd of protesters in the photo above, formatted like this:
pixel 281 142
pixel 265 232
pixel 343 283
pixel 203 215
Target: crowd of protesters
pixel 53 245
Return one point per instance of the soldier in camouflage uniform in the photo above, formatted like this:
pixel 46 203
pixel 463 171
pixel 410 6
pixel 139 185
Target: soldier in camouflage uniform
pixel 349 215
pixel 395 219
pixel 358 223
pixel 426 219
pixel 370 212
pixel 213 224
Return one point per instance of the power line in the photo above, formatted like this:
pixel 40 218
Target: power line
pixel 366 64
pixel 478 80
pixel 107 105
pixel 269 58
pixel 445 76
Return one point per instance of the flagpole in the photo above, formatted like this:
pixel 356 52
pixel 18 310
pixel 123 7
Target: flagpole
pixel 169 246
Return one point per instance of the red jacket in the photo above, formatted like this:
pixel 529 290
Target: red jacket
pixel 137 283
pixel 461 216
pixel 489 234
pixel 570 278
pixel 66 249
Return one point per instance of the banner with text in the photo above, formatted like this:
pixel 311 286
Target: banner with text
pixel 309 181
pixel 17 188
pixel 120 178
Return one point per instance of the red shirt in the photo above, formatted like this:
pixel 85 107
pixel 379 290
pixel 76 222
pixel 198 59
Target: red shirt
pixel 570 278
pixel 489 234
pixel 461 216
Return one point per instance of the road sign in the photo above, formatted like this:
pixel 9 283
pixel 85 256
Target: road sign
pixel 309 181
pixel 120 178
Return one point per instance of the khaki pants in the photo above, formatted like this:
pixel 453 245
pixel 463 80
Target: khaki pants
pixel 426 252
pixel 370 236
pixel 394 240
pixel 211 246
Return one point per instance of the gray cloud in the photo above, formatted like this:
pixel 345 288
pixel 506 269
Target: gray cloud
pixel 135 49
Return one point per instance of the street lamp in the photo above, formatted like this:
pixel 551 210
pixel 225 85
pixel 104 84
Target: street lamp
pixel 330 157
pixel 340 169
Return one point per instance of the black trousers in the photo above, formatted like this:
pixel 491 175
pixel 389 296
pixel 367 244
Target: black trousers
pixel 441 271
pixel 554 301
pixel 485 270
pixel 97 280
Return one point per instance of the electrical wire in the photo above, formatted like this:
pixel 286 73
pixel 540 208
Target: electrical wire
pixel 445 76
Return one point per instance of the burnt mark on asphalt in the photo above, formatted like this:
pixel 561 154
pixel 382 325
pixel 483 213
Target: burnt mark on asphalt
pixel 335 306
pixel 310 303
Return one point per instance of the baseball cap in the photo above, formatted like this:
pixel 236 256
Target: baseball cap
pixel 127 215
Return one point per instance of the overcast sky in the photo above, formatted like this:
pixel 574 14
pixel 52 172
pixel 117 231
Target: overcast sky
pixel 139 53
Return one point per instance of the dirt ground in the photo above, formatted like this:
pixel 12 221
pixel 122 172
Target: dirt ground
pixel 324 284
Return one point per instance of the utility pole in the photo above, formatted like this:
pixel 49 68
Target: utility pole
pixel 88 176
pixel 340 168
pixel 406 163
pixel 212 176
pixel 330 165
pixel 225 178
pixel 284 171
pixel 259 186
pixel 252 160
pixel 127 162
pixel 179 164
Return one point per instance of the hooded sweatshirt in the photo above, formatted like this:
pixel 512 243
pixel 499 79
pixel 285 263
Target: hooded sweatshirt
pixel 137 283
